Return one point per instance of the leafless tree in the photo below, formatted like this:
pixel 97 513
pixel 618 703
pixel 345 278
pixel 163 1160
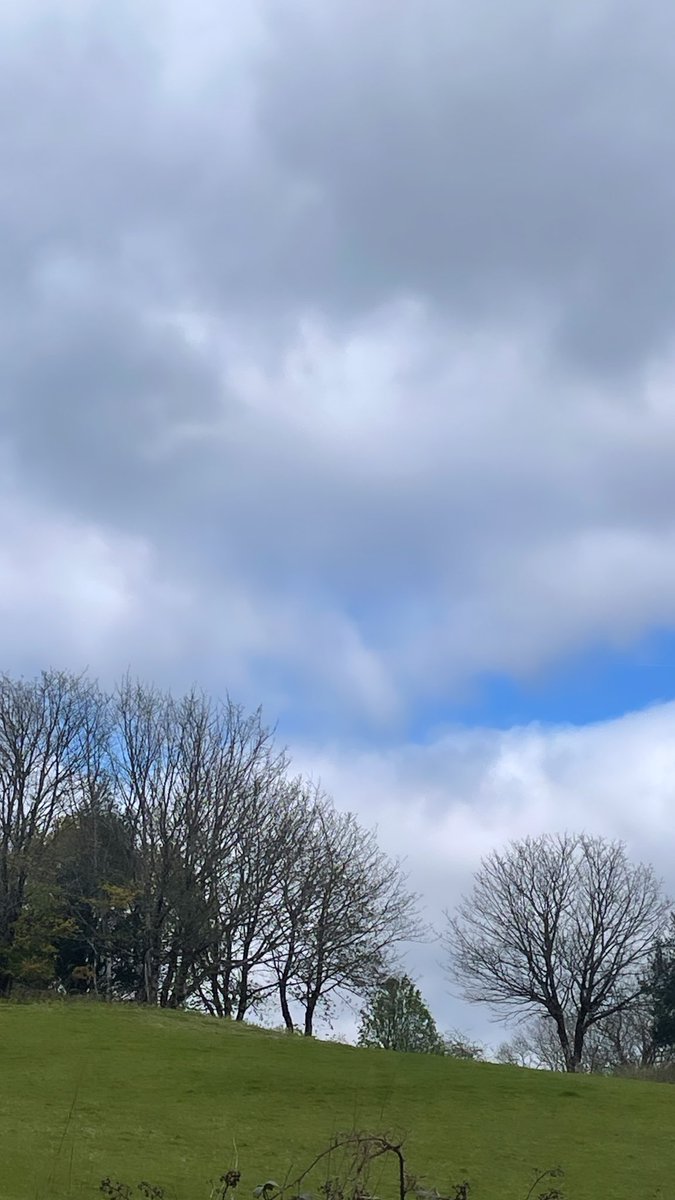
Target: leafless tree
pixel 183 768
pixel 48 731
pixel 559 924
pixel 236 970
pixel 347 909
pixel 535 1044
pixel 301 867
pixel 229 772
pixel 623 1039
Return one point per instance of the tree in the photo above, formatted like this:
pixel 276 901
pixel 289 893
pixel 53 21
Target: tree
pixel 562 925
pixel 47 730
pixel 344 910
pixel 152 848
pixel 660 994
pixel 89 863
pixel 398 1019
pixel 41 925
pixel 300 868
pixel 458 1045
pixel 237 967
pixel 522 1050
pixel 624 1039
pixel 537 1045
pixel 183 771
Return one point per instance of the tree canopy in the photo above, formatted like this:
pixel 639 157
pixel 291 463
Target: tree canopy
pixel 562 925
pixel 397 1018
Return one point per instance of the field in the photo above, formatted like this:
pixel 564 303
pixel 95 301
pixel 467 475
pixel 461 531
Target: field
pixel 88 1092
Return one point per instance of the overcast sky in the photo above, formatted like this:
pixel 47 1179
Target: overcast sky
pixel 337 370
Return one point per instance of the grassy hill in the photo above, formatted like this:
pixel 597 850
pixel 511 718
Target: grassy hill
pixel 87 1091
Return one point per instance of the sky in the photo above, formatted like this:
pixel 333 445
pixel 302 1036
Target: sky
pixel 337 368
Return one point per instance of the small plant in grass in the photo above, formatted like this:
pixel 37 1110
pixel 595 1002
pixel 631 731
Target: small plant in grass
pixel 350 1162
pixel 112 1189
pixel 226 1183
pixel 543 1177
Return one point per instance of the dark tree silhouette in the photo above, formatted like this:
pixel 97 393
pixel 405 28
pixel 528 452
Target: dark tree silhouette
pixel 562 925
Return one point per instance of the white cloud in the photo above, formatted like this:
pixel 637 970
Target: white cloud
pixel 443 805
pixel 495 516
pixel 379 512
pixel 71 589
pixel 366 360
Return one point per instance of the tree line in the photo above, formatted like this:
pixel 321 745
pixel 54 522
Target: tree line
pixel 157 849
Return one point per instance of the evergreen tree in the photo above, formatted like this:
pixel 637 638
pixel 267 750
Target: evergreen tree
pixel 89 863
pixel 660 988
pixel 398 1019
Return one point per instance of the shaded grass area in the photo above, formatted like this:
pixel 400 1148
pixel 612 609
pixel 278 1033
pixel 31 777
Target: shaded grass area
pixel 88 1091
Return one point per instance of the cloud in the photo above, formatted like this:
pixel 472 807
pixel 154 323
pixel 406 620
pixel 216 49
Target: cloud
pixel 443 805
pixel 74 589
pixel 283 157
pixel 357 330
pixel 493 162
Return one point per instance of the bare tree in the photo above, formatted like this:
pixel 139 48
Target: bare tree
pixel 181 770
pixel 229 769
pixel 626 1038
pixel 562 925
pixel 623 1039
pixel 536 1044
pixel 349 910
pixel 47 727
pixel 301 865
pixel 236 970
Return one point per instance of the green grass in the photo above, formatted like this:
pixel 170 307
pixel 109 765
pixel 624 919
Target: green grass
pixel 87 1091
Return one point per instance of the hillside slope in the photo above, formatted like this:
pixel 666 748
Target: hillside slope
pixel 88 1091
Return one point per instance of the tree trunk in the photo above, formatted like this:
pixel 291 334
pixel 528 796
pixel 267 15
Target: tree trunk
pixel 285 1010
pixel 149 991
pixel 568 1053
pixel 178 994
pixel 242 1004
pixel 226 989
pixel 579 1036
pixel 310 1009
pixel 93 967
pixel 212 1000
pixel 164 999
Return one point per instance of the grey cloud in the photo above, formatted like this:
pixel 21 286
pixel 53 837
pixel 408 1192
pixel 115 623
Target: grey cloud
pixel 361 151
pixel 368 470
pixel 492 161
